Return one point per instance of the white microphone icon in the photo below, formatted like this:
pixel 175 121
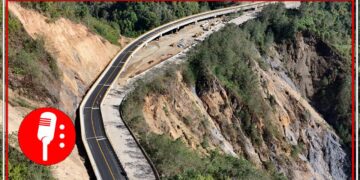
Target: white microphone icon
pixel 46 131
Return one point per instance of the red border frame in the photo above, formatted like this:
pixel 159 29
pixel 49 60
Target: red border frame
pixel 353 100
pixel 352 68
pixel 6 90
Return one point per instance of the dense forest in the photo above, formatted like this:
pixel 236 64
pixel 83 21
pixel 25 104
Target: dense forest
pixel 110 19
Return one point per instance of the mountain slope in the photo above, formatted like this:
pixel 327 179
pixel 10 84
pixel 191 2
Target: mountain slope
pixel 252 92
pixel 52 64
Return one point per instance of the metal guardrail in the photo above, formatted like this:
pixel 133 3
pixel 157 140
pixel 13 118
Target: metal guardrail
pixel 191 19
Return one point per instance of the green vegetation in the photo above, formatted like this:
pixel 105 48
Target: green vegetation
pixel 18 101
pixel 296 149
pixel 132 106
pixel 174 160
pixel 110 19
pixel 188 76
pixel 165 109
pixel 20 167
pixel 219 58
pixel 330 22
pixel 30 66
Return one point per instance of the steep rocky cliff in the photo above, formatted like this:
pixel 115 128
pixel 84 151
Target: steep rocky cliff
pixel 321 75
pixel 286 132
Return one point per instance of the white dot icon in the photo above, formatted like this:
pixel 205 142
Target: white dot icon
pixel 62 127
pixel 62 136
pixel 62 145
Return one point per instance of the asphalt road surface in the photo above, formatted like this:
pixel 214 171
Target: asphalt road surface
pixel 105 158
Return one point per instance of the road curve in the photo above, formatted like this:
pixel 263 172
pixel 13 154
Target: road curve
pixel 104 160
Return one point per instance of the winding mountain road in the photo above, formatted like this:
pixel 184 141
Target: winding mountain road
pixel 104 160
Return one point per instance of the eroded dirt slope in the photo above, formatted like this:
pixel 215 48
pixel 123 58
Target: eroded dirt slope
pixel 80 55
pixel 300 143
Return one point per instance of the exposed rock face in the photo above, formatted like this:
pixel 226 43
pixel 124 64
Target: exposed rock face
pixel 325 154
pixel 316 71
pixel 334 156
pixel 305 147
pixel 308 61
pixel 184 116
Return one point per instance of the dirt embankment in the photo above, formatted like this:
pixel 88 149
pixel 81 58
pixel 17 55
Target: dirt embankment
pixel 305 147
pixel 80 55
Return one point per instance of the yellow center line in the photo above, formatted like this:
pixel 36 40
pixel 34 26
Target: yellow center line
pixel 92 122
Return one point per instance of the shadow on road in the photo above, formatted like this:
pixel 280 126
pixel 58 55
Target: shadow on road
pixel 81 147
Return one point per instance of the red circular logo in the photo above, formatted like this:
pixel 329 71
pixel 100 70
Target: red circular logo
pixel 46 136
